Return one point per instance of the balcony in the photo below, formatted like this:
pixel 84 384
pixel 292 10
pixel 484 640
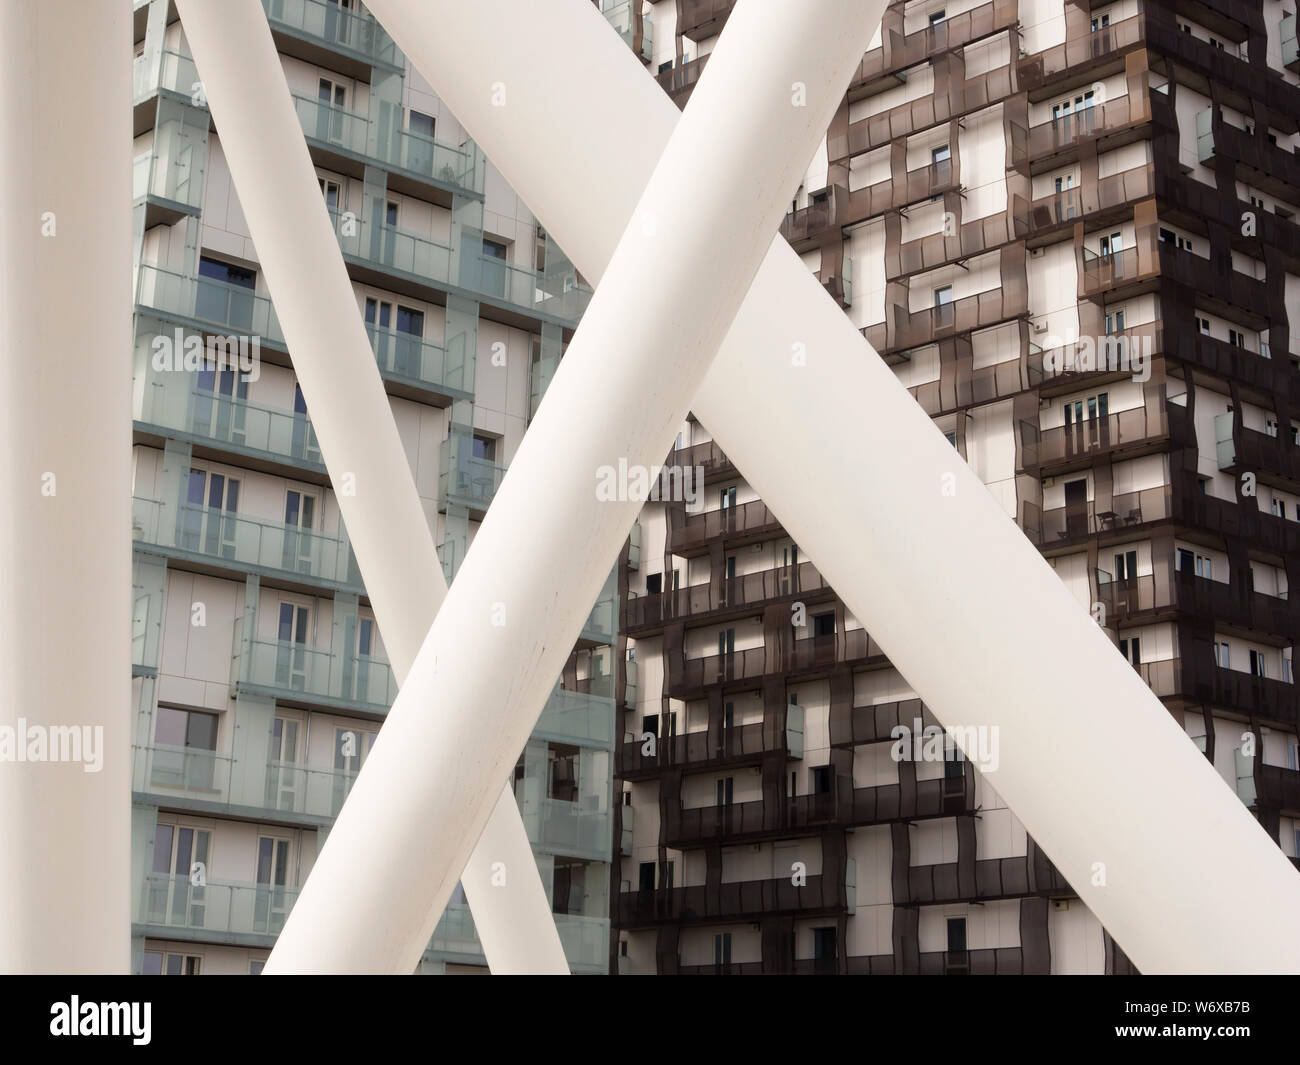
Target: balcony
pixel 705 454
pixel 559 826
pixel 219 911
pixel 904 329
pixel 1063 134
pixel 1273 458
pixel 577 718
pixel 1068 524
pixel 679 81
pixel 993 878
pixel 738 745
pixel 1273 169
pixel 169 175
pixel 393 253
pixel 353 140
pixel 621 18
pixel 585 939
pixel 1277 785
pixel 913 186
pixel 226 539
pixel 700 19
pixel 295 672
pixel 1084 52
pixel 177 407
pixel 738 594
pixel 173 72
pixel 805 228
pixel 690 534
pixel 1290 52
pixel 898 51
pixel 1113 194
pixel 214 782
pixel 748 822
pixel 1122 434
pixel 407 361
pixel 734 901
pixel 464 480
pixel 688 677
pixel 322 25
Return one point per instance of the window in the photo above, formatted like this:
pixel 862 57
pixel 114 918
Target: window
pixel 494 249
pixel 956 935
pixel 390 213
pixel 1185 561
pixel 331 114
pixel 1100 23
pixel 936 17
pixel 821 779
pixel 943 296
pixel 420 148
pixel 729 715
pixel 646 876
pixel 1131 649
pixel 1115 322
pixel 951 437
pixel 485 448
pixel 727 642
pixel 722 948
pixel 1203 324
pixel 1126 565
pixel 1222 658
pixel 1236 339
pixel 255 966
pixel 726 790
pixel 654 583
pixel 730 565
pixel 940 154
pixel 1112 244
pixel 158 963
pixel 332 193
pixel 1257 665
pixel 952 760
pixel 824 624
pixel 728 497
pixel 225 294
pixel 825 948
pixel 185 740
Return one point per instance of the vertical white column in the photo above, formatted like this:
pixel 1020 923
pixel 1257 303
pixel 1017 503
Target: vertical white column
pixel 65 487
pixel 523 591
pixel 298 251
pixel 962 604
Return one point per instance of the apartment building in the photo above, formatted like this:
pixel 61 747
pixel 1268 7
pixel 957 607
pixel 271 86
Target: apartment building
pixel 1071 228
pixel 258 665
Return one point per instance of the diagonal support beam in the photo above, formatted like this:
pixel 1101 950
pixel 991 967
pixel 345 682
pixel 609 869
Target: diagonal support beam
pixel 772 86
pixel 299 253
pixel 1084 765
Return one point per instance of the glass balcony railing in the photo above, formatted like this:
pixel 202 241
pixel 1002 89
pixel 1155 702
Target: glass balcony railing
pixel 602 623
pixel 240 541
pixel 571 828
pixel 1290 51
pixel 467 481
pixel 414 360
pixel 173 400
pixel 431 261
pixel 173 167
pixel 217 907
pixel 335 27
pixel 214 304
pixel 307 672
pixel 585 939
pixel 175 72
pixel 621 18
pixel 213 778
pixel 332 126
pixel 577 718
pixel 423 157
pixel 219 305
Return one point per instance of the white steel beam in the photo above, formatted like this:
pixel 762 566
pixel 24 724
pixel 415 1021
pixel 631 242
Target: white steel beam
pixel 65 479
pixel 299 253
pixel 519 601
pixel 925 557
